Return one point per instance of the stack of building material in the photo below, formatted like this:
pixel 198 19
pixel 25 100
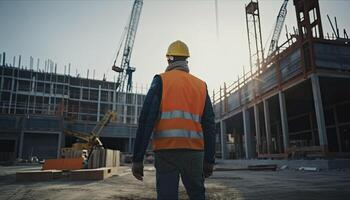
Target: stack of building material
pixel 71 153
pixel 104 158
pixel 103 163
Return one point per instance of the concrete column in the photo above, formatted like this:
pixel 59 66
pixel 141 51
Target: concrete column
pixel 54 96
pixel 337 128
pixel 15 106
pixel 59 144
pixel 257 127
pixel 51 95
pixel 223 139
pixel 130 139
pixel 114 99
pixel 247 134
pixel 125 107
pixel 284 120
pixel 81 98
pixel 34 93
pixel 321 125
pixel 136 109
pixel 99 103
pixel 267 125
pixel 16 149
pixel 12 87
pixel 20 152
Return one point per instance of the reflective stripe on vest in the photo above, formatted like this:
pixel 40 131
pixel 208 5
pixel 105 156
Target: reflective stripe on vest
pixel 178 133
pixel 180 114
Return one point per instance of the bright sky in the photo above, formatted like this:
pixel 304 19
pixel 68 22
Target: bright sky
pixel 86 33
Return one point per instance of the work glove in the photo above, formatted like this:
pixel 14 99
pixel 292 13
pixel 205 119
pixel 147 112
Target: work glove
pixel 207 169
pixel 137 170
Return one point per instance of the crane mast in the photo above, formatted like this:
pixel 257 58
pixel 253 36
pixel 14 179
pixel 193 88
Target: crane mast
pixel 278 27
pixel 124 81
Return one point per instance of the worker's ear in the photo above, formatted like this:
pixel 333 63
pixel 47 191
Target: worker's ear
pixel 170 58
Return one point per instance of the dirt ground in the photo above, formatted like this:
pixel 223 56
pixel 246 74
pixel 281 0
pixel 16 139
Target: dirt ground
pixel 286 185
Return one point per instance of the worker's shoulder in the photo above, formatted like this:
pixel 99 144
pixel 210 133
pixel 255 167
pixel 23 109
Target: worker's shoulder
pixel 179 73
pixel 197 78
pixel 157 80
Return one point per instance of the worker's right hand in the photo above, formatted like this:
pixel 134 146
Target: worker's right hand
pixel 207 169
pixel 137 170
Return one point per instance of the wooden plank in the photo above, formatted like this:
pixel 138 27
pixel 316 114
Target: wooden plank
pixel 92 174
pixel 38 175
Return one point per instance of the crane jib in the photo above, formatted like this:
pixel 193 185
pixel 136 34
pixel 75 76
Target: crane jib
pixel 278 27
pixel 125 70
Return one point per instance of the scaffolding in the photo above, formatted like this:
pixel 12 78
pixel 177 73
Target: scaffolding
pixel 284 108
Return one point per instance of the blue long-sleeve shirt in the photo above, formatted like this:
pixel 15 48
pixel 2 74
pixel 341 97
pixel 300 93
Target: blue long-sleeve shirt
pixel 150 113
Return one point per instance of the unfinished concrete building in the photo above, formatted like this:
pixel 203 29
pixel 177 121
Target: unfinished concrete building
pixel 38 105
pixel 296 104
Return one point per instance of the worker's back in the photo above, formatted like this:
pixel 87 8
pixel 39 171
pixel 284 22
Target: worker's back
pixel 182 104
pixel 181 88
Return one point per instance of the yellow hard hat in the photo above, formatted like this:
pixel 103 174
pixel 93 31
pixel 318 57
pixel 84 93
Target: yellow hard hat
pixel 178 48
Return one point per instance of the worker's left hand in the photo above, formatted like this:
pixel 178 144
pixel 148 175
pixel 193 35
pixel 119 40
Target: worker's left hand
pixel 137 170
pixel 208 169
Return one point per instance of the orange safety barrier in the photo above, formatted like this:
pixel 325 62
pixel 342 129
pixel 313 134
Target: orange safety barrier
pixel 63 164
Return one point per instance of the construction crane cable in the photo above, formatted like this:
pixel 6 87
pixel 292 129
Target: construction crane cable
pixel 117 51
pixel 268 39
pixel 120 44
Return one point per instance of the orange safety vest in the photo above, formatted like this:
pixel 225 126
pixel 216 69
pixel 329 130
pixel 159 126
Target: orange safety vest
pixel 181 109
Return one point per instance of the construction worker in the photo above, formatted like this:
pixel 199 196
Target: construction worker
pixel 178 111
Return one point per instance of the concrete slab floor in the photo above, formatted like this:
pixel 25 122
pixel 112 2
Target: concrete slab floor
pixel 242 185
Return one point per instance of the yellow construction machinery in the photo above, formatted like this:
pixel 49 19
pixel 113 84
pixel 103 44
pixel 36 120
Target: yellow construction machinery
pixel 91 142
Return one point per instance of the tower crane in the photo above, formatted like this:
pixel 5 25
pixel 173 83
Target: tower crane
pixel 278 27
pixel 125 71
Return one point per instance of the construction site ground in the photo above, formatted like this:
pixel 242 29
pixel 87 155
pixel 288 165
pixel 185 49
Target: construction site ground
pixel 281 184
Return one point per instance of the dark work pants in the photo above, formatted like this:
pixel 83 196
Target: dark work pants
pixel 170 165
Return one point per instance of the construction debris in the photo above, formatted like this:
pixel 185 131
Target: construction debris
pixel 267 167
pixel 283 167
pixel 311 169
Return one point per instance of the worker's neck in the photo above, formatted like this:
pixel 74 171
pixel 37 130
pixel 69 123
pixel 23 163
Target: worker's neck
pixel 178 65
